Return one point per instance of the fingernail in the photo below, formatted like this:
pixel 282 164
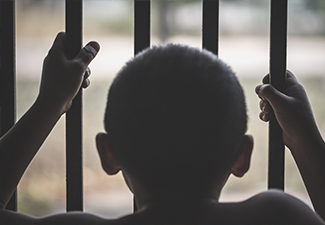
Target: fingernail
pixel 94 45
pixel 90 49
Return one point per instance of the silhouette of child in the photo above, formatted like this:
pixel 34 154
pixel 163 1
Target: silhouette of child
pixel 176 127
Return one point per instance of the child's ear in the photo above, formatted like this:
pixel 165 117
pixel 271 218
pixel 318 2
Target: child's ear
pixel 243 160
pixel 109 162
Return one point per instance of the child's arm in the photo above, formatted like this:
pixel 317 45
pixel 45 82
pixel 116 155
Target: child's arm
pixel 300 134
pixel 61 80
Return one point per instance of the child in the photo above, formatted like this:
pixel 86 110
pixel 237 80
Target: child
pixel 175 126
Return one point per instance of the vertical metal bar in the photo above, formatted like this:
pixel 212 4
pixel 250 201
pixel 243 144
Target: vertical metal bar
pixel 210 29
pixel 141 34
pixel 278 54
pixel 7 78
pixel 141 25
pixel 74 176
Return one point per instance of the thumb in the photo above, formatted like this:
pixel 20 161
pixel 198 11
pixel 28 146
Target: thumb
pixel 276 98
pixel 88 53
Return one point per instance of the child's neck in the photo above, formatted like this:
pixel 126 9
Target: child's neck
pixel 180 202
pixel 180 210
pixel 183 199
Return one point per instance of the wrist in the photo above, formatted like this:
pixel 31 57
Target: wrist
pixel 308 146
pixel 49 106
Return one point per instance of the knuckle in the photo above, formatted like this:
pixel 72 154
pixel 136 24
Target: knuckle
pixel 50 53
pixel 53 51
pixel 266 87
pixel 261 115
pixel 267 107
pixel 266 90
pixel 87 73
pixel 261 104
pixel 300 87
pixel 61 33
pixel 257 88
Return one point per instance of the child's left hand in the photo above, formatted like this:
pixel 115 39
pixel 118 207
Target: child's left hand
pixel 61 81
pixel 61 77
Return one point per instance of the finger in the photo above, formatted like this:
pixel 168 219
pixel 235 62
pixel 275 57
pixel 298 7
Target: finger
pixel 261 105
pixel 265 106
pixel 291 79
pixel 88 53
pixel 257 89
pixel 266 79
pixel 59 41
pixel 264 117
pixel 87 73
pixel 290 74
pixel 275 98
pixel 86 83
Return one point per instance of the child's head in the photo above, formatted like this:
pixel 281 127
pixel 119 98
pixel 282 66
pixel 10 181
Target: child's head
pixel 176 118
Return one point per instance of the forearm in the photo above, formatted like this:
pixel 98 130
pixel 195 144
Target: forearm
pixel 310 158
pixel 20 144
pixel 62 78
pixel 300 133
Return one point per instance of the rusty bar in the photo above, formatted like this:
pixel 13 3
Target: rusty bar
pixel 141 25
pixel 74 175
pixel 210 28
pixel 7 78
pixel 278 54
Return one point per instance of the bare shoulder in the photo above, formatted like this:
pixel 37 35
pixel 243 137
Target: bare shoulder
pixel 277 207
pixel 70 218
pixel 270 207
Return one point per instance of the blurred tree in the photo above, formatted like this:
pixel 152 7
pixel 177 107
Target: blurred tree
pixel 52 5
pixel 163 26
pixel 315 5
pixel 317 9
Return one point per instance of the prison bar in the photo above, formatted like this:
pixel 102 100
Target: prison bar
pixel 278 55
pixel 141 34
pixel 210 28
pixel 74 175
pixel 141 41
pixel 7 78
pixel 141 25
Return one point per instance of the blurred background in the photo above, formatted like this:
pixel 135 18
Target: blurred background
pixel 244 45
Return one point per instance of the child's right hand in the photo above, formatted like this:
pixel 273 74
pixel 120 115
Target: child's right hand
pixel 300 134
pixel 63 77
pixel 291 108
